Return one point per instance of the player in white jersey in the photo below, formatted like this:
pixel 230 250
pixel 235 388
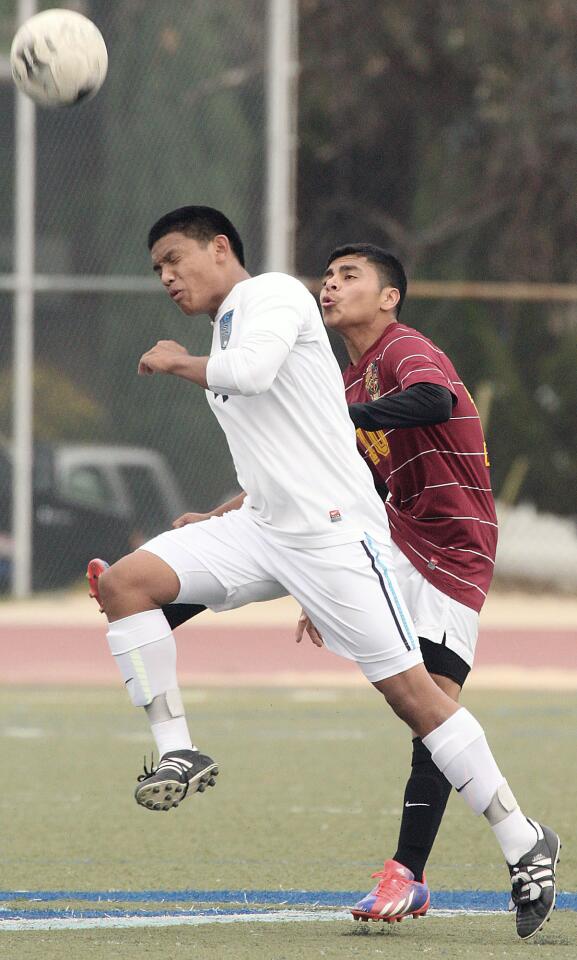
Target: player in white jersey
pixel 311 525
pixel 268 347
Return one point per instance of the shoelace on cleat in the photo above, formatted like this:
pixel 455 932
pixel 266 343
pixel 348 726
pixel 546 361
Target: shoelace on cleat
pixel 392 880
pixel 528 883
pixel 147 773
pixel 176 764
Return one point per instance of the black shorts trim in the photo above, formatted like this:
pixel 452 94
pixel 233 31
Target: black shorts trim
pixel 439 659
pixel 387 597
pixel 177 613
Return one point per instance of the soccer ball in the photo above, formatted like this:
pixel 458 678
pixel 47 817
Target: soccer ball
pixel 58 58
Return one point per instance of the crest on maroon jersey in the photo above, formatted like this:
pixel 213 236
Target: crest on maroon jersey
pixel 372 385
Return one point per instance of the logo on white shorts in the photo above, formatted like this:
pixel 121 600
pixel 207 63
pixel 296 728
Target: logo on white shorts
pixel 335 516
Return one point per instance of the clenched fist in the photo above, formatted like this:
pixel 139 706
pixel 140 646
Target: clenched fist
pixel 162 358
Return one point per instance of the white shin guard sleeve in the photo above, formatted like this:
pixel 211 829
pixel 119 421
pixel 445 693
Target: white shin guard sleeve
pixel 144 649
pixel 460 750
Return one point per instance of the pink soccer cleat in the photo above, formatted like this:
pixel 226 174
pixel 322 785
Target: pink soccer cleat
pixel 95 568
pixel 397 895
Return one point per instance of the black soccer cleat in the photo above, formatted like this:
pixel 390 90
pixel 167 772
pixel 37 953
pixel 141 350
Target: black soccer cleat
pixel 533 883
pixel 178 773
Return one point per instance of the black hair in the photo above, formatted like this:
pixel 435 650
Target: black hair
pixel 200 223
pixel 390 269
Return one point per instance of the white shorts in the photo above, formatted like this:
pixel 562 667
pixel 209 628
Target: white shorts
pixel 349 591
pixel 436 616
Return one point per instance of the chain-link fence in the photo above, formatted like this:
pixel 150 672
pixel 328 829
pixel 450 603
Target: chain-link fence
pixel 179 120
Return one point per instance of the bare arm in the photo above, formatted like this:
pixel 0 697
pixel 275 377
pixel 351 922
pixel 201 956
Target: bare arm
pixel 170 357
pixel 234 504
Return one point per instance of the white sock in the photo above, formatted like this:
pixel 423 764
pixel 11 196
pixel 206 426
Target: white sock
pixel 170 735
pixel 144 649
pixel 515 835
pixel 460 750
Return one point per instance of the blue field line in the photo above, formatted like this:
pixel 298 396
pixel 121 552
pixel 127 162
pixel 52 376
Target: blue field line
pixel 231 899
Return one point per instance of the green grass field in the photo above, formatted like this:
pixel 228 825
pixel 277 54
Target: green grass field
pixel 309 798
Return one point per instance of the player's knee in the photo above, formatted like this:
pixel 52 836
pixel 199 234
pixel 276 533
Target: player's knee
pixel 405 707
pixel 398 697
pixel 406 693
pixel 448 686
pixel 137 582
pixel 109 587
pixel 119 584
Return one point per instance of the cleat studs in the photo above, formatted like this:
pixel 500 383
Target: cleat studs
pixel 156 789
pixel 149 804
pixel 201 787
pixel 211 782
pixel 178 789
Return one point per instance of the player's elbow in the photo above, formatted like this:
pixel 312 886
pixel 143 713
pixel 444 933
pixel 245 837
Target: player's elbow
pixel 441 413
pixel 255 381
pixel 437 402
pixel 257 367
pixel 444 408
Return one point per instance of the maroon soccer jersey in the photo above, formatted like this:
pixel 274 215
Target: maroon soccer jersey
pixel 440 508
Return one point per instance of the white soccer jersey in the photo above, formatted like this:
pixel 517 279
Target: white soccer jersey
pixel 277 392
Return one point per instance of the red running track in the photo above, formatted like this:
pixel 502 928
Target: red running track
pixel 79 655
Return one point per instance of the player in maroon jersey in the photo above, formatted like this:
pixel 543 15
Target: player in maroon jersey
pixel 419 431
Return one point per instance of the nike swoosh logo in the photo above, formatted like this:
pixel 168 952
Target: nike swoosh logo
pixel 458 789
pixel 417 804
pixel 128 681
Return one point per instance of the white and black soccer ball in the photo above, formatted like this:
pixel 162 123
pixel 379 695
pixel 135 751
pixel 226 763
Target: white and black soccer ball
pixel 58 58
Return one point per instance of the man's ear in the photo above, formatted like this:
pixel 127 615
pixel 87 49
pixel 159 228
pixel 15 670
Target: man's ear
pixel 221 245
pixel 389 299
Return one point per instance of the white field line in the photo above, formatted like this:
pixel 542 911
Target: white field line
pixel 275 916
pixel 496 677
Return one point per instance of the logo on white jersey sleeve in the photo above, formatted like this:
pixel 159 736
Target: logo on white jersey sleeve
pixel 225 327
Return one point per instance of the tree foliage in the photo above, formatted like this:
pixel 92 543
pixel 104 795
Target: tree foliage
pixel 447 130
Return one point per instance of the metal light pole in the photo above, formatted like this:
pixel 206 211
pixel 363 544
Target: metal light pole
pixel 25 180
pixel 281 104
